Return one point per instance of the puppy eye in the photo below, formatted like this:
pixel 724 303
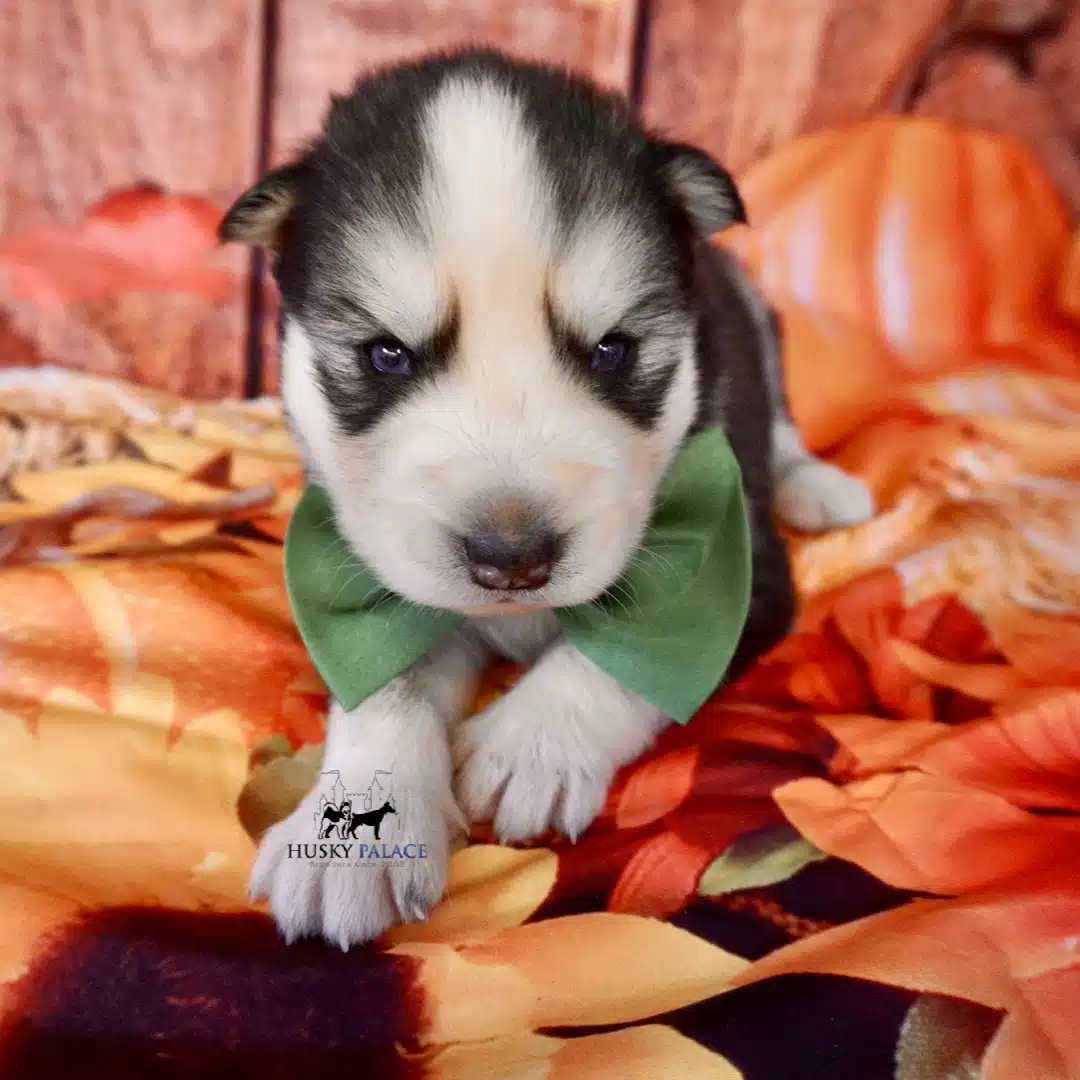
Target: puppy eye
pixel 388 356
pixel 611 353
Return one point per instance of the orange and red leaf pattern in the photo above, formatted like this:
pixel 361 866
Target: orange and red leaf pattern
pixel 909 756
pixel 137 240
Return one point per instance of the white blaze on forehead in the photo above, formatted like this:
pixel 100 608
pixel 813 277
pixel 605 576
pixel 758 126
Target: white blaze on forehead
pixel 490 222
pixel 494 225
pixel 490 203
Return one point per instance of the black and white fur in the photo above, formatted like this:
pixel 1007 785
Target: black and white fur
pixel 500 220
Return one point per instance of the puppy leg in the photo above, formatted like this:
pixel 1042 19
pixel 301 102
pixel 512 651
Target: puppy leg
pixel 544 754
pixel 810 494
pixel 401 730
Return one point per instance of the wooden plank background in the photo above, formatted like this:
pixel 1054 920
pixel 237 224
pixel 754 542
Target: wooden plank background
pixel 102 95
pixel 325 44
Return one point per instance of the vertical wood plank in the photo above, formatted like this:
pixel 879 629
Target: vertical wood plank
pixel 1057 68
pixel 981 88
pixel 100 95
pixel 741 77
pixel 324 45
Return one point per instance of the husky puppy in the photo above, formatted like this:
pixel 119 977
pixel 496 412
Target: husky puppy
pixel 501 321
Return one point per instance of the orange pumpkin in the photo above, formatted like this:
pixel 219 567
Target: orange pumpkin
pixel 903 248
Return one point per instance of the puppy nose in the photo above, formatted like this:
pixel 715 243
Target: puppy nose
pixel 511 559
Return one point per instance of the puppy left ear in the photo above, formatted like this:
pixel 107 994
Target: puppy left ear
pixel 261 214
pixel 706 192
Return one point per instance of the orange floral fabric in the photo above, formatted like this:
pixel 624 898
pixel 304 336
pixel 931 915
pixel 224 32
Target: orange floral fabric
pixel 860 860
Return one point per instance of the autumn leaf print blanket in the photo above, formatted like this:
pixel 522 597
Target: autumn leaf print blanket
pixel 859 862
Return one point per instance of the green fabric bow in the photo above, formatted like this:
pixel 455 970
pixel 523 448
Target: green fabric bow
pixel 666 630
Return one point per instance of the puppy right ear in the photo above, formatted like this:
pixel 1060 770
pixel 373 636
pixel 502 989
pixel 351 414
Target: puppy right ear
pixel 706 192
pixel 261 214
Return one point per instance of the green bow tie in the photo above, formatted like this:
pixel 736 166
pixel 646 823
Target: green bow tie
pixel 665 631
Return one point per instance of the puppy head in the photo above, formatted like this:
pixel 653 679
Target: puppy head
pixel 488 339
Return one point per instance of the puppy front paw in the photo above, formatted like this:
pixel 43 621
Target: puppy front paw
pixel 543 756
pixel 525 783
pixel 336 880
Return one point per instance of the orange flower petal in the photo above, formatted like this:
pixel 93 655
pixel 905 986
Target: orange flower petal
pixel 829 677
pixel 927 833
pixel 1020 1048
pixel 945 626
pixel 859 607
pixel 1048 997
pixel 876 744
pixel 636 1053
pixel 1029 755
pixel 1043 648
pixel 900 690
pixel 592 969
pixel 490 888
pixel 660 876
pixel 49 641
pixel 741 721
pixel 987 682
pixel 656 788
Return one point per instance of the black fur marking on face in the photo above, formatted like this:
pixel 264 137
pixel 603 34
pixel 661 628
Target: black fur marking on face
pixel 367 166
pixel 633 390
pixel 359 396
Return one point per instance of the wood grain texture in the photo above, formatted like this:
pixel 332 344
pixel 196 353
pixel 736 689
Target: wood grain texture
pixel 742 77
pixel 1057 69
pixel 983 89
pixel 324 45
pixel 1010 18
pixel 100 95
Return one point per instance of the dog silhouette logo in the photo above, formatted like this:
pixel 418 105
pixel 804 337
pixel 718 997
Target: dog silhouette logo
pixel 341 814
pixel 340 818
